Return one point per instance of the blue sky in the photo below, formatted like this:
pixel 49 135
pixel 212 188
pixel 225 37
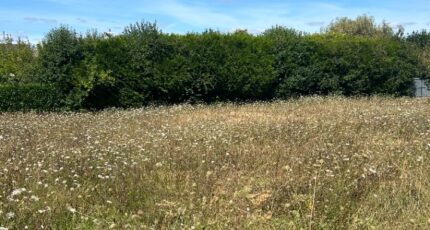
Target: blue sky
pixel 34 18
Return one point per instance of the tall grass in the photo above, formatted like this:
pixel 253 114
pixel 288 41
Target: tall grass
pixel 312 163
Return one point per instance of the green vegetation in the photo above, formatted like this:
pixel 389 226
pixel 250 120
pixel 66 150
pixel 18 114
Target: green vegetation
pixel 17 60
pixel 25 97
pixel 144 66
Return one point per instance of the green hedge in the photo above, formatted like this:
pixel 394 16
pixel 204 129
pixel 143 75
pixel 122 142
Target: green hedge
pixel 144 66
pixel 351 65
pixel 25 97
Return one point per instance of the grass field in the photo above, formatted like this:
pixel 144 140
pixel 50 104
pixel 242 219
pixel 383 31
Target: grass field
pixel 312 163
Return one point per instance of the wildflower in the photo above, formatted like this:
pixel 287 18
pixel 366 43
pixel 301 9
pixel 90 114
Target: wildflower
pixel 17 192
pixel 10 215
pixel 71 209
pixel 158 165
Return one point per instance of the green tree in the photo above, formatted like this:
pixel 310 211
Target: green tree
pixel 362 26
pixel 421 41
pixel 60 56
pixel 17 58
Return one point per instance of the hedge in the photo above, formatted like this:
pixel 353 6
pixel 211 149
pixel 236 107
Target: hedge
pixel 144 66
pixel 25 97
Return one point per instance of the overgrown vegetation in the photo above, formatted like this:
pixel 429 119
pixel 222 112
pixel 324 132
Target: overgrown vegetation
pixel 144 66
pixel 313 163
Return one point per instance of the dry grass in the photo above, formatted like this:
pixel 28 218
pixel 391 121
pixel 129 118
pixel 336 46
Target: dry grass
pixel 313 163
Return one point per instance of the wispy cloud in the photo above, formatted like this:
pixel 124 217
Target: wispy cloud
pixel 408 23
pixel 81 20
pixel 181 16
pixel 319 23
pixel 43 20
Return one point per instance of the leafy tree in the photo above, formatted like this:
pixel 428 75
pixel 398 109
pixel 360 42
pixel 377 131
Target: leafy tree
pixel 17 58
pixel 60 56
pixel 145 48
pixel 362 26
pixel 421 41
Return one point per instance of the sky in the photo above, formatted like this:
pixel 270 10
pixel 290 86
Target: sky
pixel 32 19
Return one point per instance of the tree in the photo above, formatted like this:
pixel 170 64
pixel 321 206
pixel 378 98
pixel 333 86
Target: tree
pixel 362 26
pixel 421 41
pixel 60 53
pixel 16 60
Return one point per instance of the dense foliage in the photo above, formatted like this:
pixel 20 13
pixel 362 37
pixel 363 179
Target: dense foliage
pixel 25 97
pixel 144 66
pixel 16 60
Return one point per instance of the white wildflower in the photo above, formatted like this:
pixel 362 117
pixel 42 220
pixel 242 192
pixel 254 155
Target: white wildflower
pixel 17 192
pixel 10 215
pixel 71 209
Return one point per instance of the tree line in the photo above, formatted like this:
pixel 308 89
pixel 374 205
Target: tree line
pixel 143 65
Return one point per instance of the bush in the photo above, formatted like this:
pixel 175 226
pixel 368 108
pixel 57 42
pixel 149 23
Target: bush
pixel 215 66
pixel 62 62
pixel 352 65
pixel 24 97
pixel 17 60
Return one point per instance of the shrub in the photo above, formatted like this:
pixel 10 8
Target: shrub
pixel 24 97
pixel 351 65
pixel 16 60
pixel 61 62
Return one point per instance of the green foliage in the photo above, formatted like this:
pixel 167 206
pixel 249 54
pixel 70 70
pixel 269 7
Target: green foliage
pixel 420 40
pixel 350 65
pixel 60 57
pixel 16 60
pixel 144 66
pixel 362 26
pixel 214 66
pixel 24 97
pixel 126 68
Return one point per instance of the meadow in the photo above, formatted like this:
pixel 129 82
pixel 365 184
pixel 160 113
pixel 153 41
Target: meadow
pixel 309 163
